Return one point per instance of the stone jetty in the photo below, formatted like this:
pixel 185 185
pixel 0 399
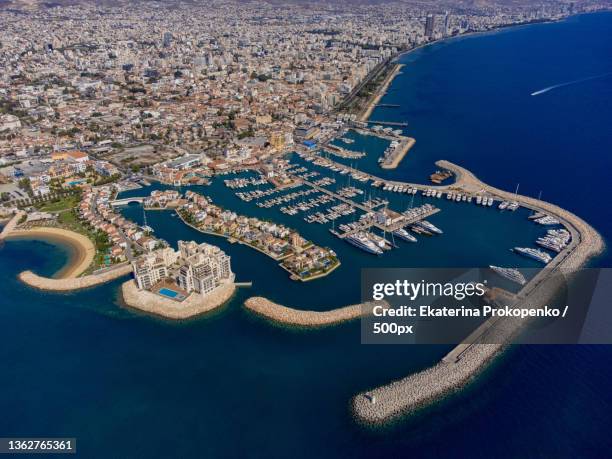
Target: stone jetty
pixel 398 155
pixel 301 318
pixel 167 308
pixel 74 283
pixel 387 403
pixel 12 223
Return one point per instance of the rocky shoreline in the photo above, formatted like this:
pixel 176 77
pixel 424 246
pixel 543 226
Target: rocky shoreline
pixel 167 308
pixel 308 319
pixel 73 283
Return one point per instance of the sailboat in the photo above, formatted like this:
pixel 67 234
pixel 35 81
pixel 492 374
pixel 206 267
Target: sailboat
pixel 145 227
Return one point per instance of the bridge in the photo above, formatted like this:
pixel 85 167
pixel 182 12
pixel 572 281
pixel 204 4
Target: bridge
pixel 126 201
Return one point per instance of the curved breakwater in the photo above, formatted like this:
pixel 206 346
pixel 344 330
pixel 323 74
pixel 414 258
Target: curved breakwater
pixel 386 403
pixel 301 318
pixel 74 283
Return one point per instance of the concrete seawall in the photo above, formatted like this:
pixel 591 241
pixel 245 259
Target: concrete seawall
pixel 387 403
pixel 75 283
pixel 398 156
pixel 300 318
pixel 167 308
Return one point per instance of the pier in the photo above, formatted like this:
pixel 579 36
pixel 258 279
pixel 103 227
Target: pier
pixel 10 226
pixel 388 105
pixel 393 160
pixel 388 123
pixel 341 152
pixel 386 403
pixel 405 221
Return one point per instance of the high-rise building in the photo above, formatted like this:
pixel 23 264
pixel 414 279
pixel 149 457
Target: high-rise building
pixel 152 267
pixel 203 267
pixel 429 25
pixel 166 39
pixel 446 24
pixel 199 268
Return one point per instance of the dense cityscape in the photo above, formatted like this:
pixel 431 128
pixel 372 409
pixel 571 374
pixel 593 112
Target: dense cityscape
pixel 176 147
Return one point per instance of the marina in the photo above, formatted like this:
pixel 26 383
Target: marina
pixel 217 362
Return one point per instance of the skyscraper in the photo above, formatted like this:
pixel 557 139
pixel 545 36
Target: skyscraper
pixel 166 39
pixel 429 25
pixel 446 24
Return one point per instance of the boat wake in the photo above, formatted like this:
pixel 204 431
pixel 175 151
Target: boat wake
pixel 560 85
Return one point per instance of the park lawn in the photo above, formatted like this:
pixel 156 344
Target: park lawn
pixel 65 203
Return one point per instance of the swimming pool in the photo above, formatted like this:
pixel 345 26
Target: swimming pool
pixel 169 293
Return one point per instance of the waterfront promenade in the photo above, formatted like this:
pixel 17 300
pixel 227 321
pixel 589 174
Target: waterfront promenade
pixel 160 306
pixel 308 319
pixel 386 403
pixel 380 92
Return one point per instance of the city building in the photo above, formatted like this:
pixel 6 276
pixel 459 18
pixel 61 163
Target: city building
pixel 193 268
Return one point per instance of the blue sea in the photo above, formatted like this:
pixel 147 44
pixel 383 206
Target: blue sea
pixel 231 385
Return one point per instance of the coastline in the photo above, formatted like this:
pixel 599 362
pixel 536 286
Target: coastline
pixel 398 156
pixel 380 92
pixel 384 86
pixel 284 315
pixel 461 365
pixel 83 248
pixel 194 305
pixel 232 240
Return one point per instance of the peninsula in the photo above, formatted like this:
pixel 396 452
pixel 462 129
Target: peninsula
pixel 180 284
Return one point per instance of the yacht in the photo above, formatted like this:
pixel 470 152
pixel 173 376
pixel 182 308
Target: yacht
pixel 429 227
pixel 510 273
pixel 361 241
pixel 405 235
pixel 535 254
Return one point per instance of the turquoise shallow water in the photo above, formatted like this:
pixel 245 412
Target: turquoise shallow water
pixel 231 385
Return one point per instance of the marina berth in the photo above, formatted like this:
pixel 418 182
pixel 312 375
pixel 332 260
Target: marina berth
pixel 510 273
pixel 387 403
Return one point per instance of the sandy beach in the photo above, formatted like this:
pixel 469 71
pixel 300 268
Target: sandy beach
pixel 83 249
pixel 380 92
